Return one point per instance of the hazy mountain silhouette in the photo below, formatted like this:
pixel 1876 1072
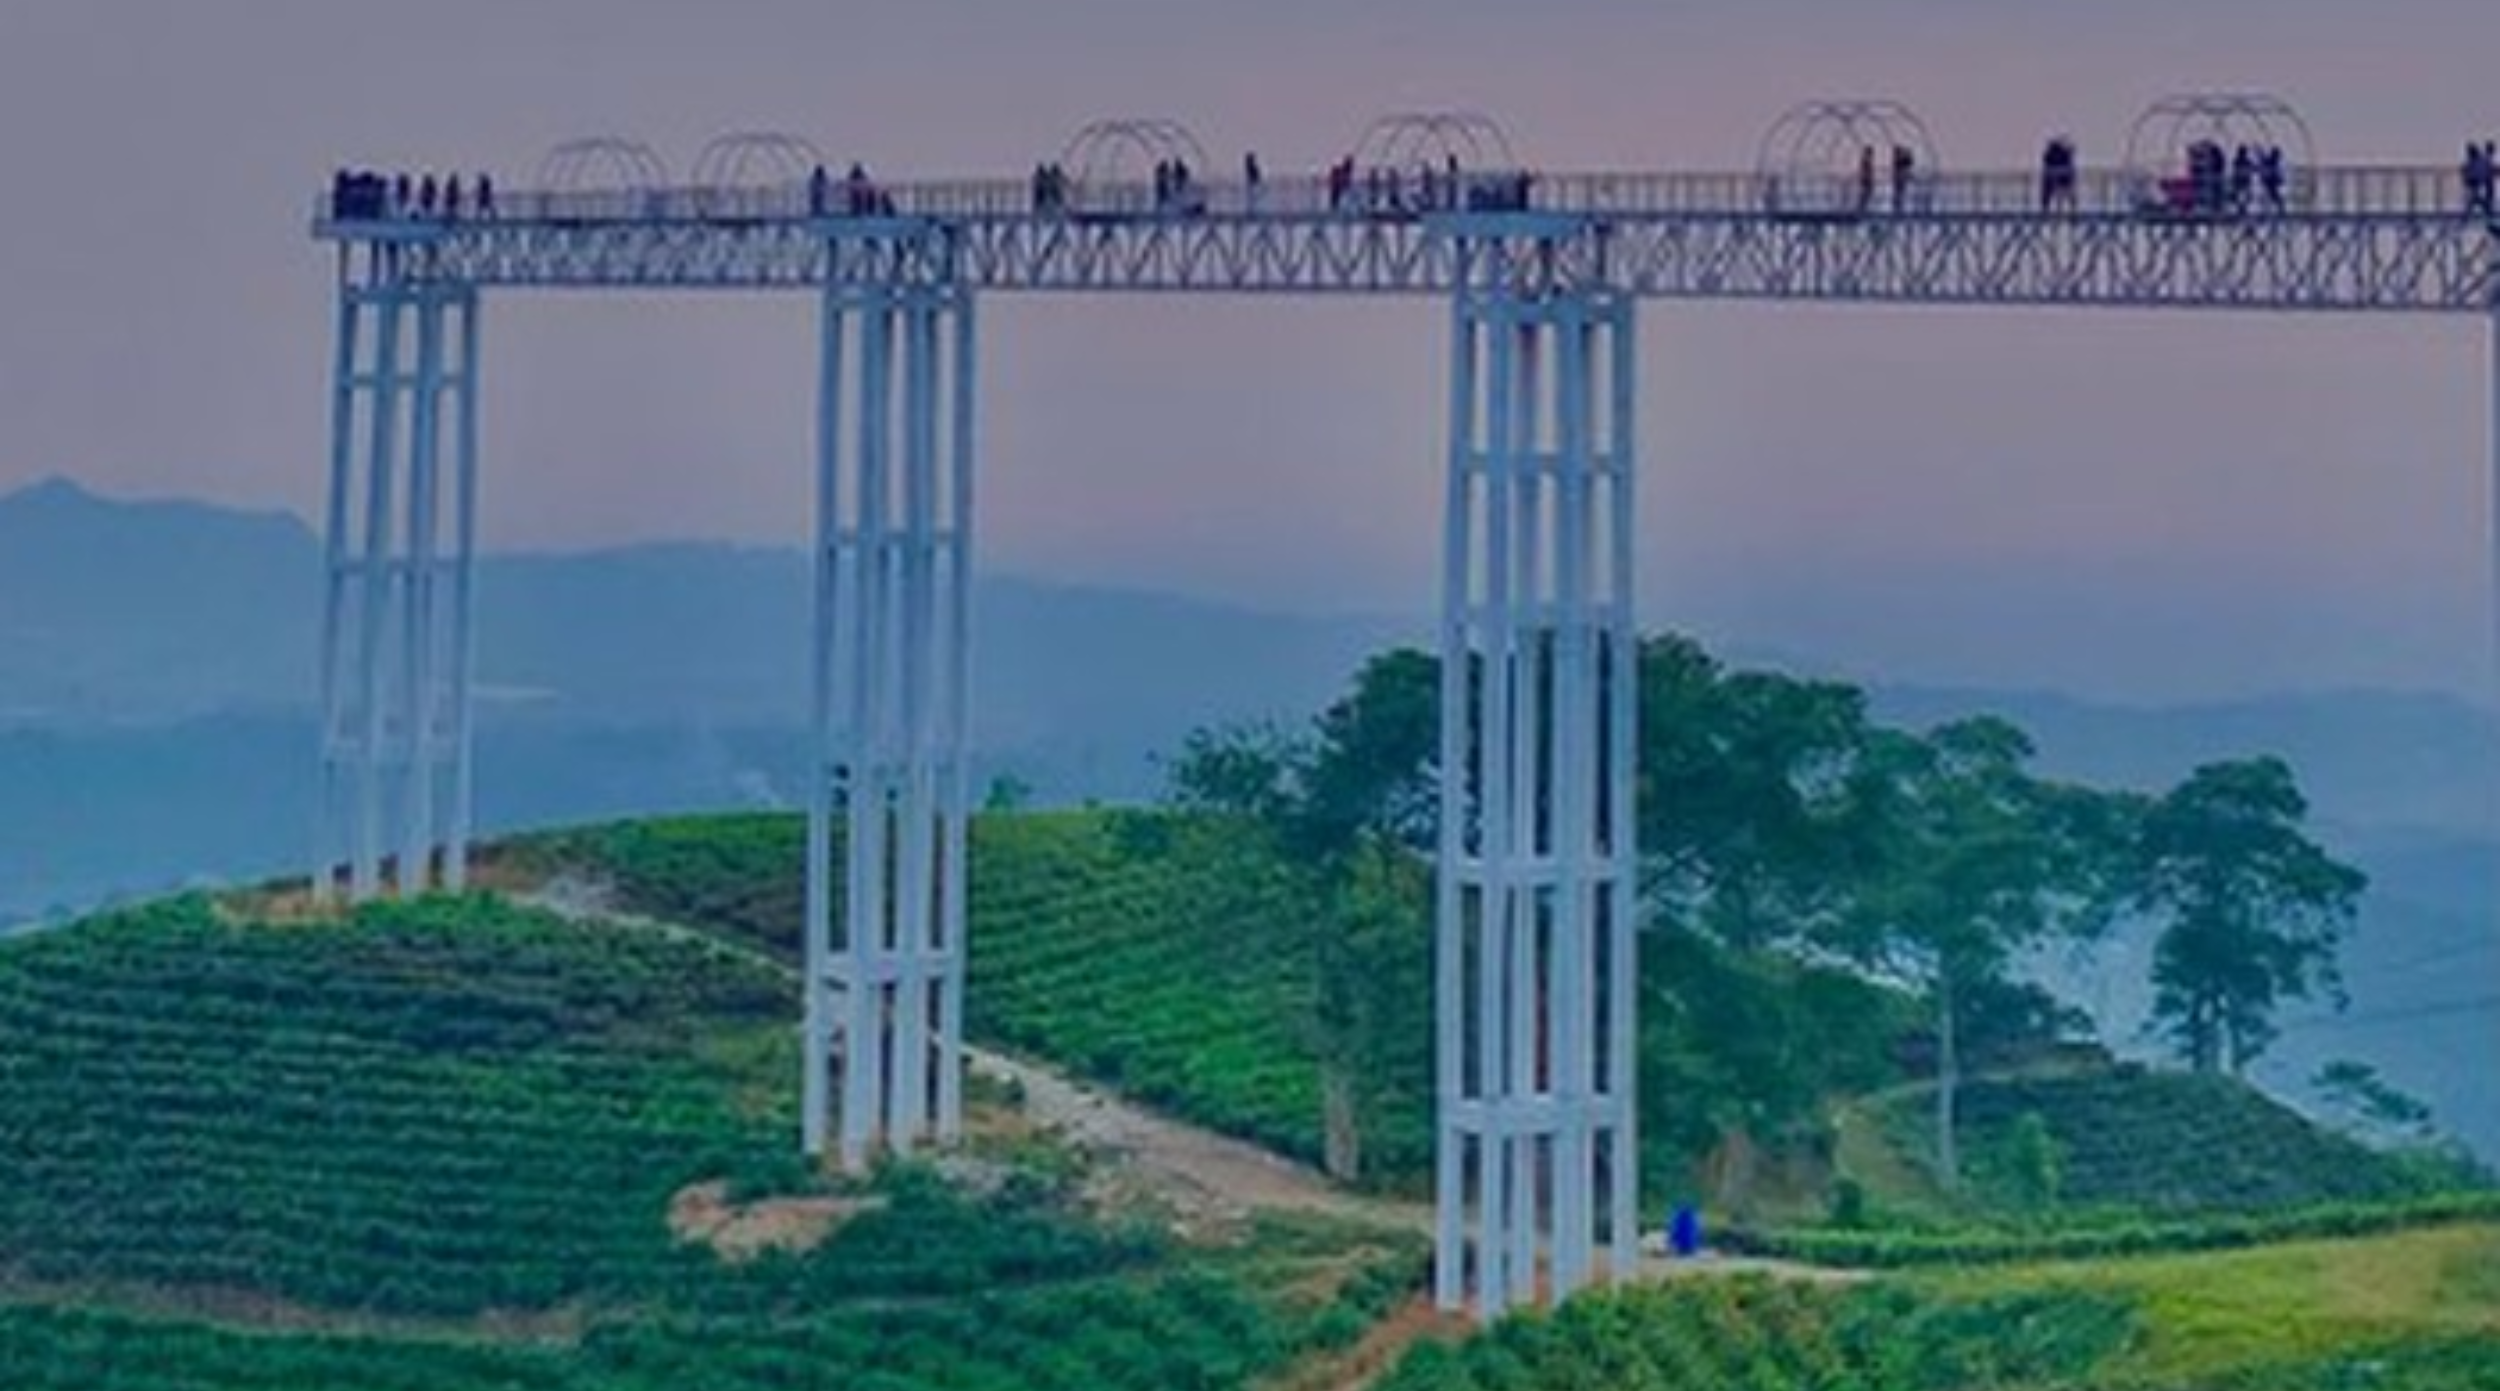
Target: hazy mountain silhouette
pixel 157 666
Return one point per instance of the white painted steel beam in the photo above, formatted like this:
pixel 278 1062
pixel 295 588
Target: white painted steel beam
pixel 398 593
pixel 1533 975
pixel 891 655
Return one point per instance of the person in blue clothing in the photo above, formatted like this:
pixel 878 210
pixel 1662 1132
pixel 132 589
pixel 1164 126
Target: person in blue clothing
pixel 1684 1231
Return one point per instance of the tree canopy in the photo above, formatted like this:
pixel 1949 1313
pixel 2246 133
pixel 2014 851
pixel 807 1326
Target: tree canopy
pixel 2253 911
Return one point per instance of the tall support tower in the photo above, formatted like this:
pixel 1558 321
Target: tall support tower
pixel 1535 956
pixel 889 795
pixel 399 583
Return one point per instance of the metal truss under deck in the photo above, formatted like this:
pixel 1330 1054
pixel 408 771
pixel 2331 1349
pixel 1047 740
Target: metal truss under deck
pixel 2431 260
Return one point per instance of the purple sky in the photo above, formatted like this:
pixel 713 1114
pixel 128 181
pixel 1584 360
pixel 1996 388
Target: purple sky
pixel 2126 504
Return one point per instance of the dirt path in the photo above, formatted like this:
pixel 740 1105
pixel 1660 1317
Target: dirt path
pixel 1198 1171
pixel 1201 1176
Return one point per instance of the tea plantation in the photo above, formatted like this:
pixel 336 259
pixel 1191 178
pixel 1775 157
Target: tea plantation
pixel 435 1145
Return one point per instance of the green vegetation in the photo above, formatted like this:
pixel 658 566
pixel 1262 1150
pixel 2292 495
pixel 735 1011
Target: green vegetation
pixel 2412 1312
pixel 1757 1335
pixel 450 1143
pixel 2252 911
pixel 2144 1143
pixel 1171 957
pixel 1187 959
pixel 2417 1310
pixel 436 1145
pixel 1150 1334
pixel 435 1109
pixel 1991 1245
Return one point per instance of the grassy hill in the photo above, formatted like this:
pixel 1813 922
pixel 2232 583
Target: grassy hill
pixel 1172 959
pixel 440 1145
pixel 2142 1142
pixel 2417 1311
pixel 448 1144
pixel 1178 959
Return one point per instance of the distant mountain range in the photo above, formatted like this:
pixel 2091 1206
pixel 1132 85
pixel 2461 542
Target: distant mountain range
pixel 157 665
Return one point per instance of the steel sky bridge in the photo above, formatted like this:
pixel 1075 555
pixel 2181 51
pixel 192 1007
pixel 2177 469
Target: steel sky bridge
pixel 1535 941
pixel 2376 239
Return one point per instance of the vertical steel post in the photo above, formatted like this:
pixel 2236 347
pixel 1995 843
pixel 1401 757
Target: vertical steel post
pixel 396 650
pixel 1571 822
pixel 953 751
pixel 824 765
pixel 419 640
pixel 1520 733
pixel 866 919
pixel 1620 771
pixel 462 697
pixel 2491 501
pixel 336 569
pixel 915 776
pixel 1534 1027
pixel 1452 900
pixel 1491 644
pixel 375 570
pixel 892 659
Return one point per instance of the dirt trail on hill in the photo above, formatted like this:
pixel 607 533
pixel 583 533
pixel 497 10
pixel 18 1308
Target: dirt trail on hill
pixel 1198 1171
pixel 1201 1176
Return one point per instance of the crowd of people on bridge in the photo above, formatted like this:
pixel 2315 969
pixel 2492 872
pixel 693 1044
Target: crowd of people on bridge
pixel 859 195
pixel 1346 186
pixel 2216 182
pixel 362 195
pixel 1385 190
pixel 2209 181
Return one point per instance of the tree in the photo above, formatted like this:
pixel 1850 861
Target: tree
pixel 2034 1163
pixel 2253 912
pixel 2372 1106
pixel 1253 770
pixel 1373 1004
pixel 1375 771
pixel 1977 861
pixel 1746 822
pixel 1007 793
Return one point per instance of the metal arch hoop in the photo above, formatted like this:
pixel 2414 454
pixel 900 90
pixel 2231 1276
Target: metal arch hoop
pixel 1100 150
pixel 601 164
pixel 1823 137
pixel 751 159
pixel 1470 138
pixel 2164 130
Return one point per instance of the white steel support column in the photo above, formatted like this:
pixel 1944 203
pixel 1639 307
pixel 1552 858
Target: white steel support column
pixel 398 592
pixel 2491 574
pixel 1535 956
pixel 890 794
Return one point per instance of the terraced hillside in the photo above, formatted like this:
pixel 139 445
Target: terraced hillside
pixel 455 1144
pixel 2152 1144
pixel 1169 957
pixel 1181 959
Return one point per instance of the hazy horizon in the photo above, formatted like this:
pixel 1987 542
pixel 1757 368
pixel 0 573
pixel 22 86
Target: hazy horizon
pixel 2143 505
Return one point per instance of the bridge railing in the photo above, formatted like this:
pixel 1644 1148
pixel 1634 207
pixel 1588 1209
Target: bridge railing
pixel 2342 191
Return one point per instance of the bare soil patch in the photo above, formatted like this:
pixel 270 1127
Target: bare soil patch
pixel 740 1232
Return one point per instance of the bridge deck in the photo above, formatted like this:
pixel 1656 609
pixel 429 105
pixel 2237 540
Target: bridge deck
pixel 2355 238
